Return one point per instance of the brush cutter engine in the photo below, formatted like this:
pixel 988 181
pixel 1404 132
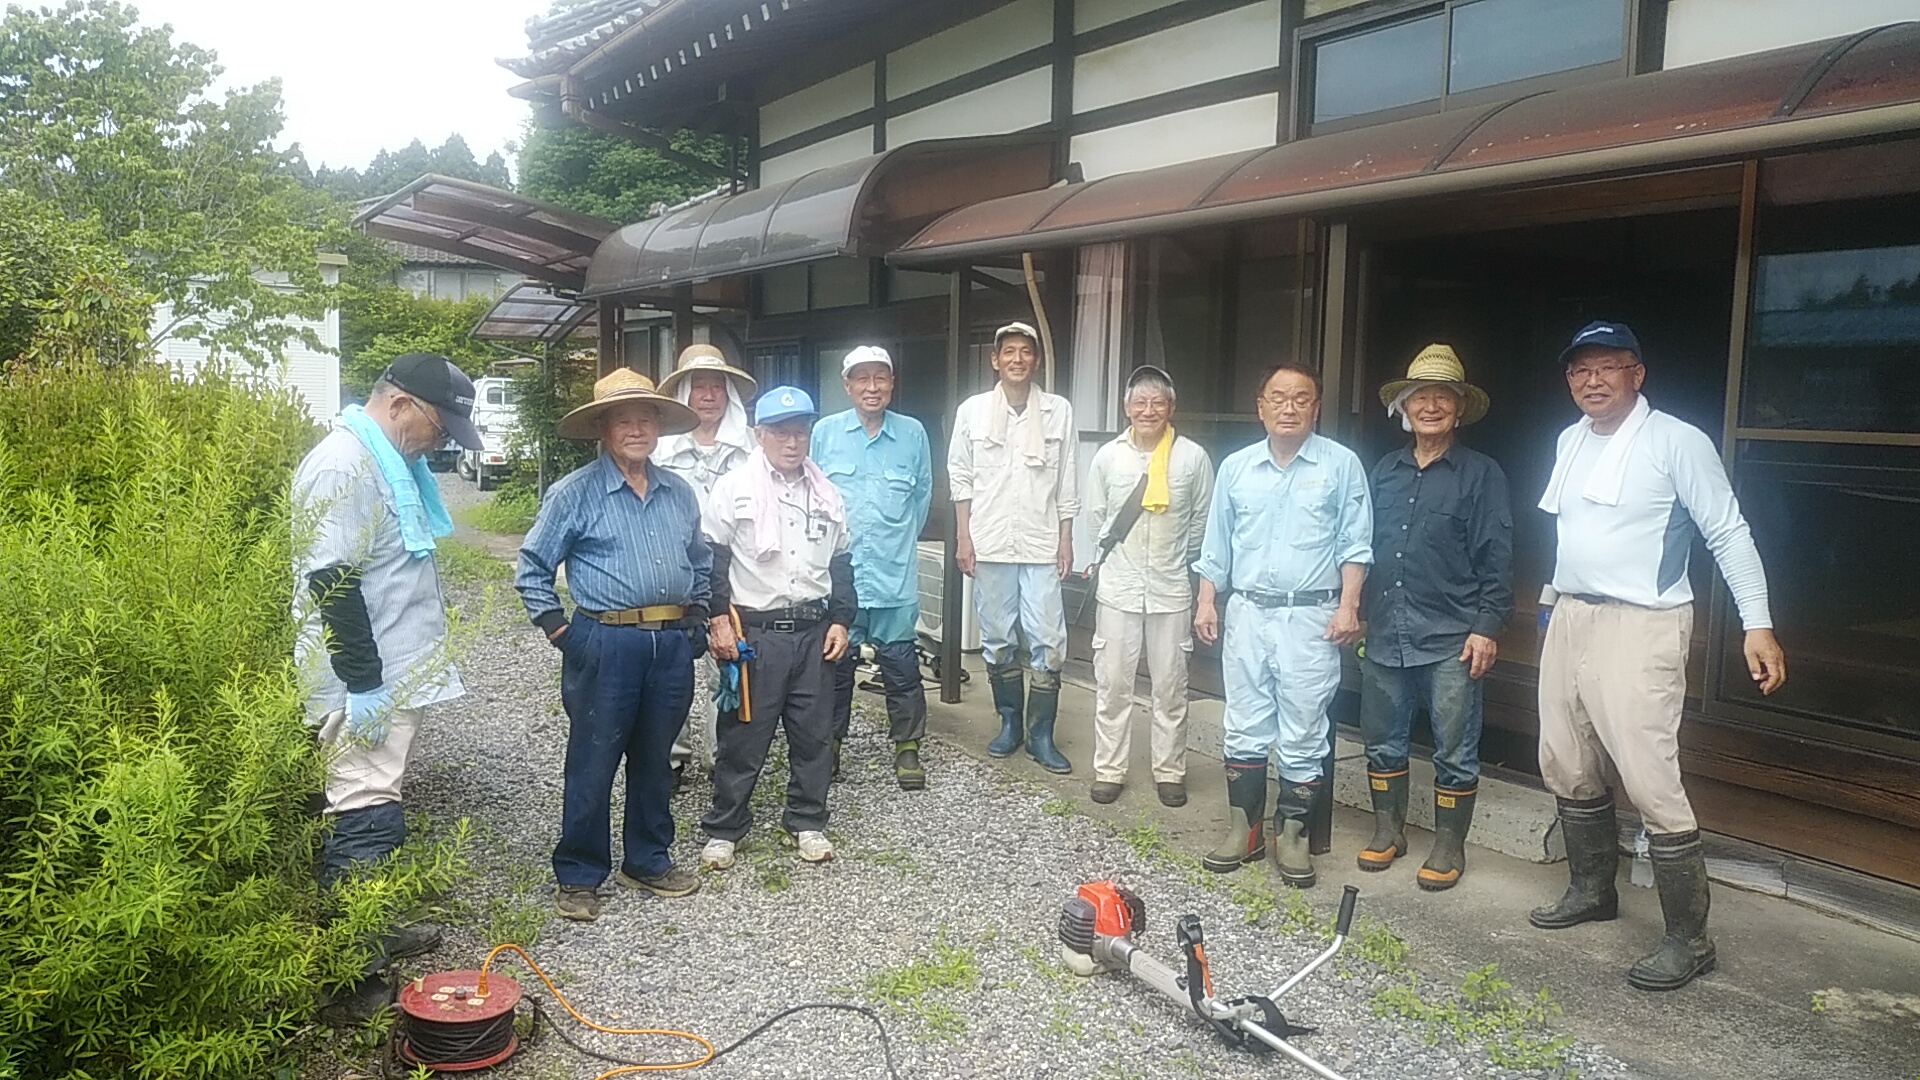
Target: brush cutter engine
pixel 1098 931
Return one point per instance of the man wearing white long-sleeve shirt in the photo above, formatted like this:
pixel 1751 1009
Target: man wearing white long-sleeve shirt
pixel 1630 489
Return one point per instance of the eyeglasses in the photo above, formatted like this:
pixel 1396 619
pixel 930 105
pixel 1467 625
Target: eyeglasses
pixel 440 431
pixel 1301 401
pixel 1585 372
pixel 1154 404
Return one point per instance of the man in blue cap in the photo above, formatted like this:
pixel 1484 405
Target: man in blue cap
pixel 1631 488
pixel 783 587
pixel 882 465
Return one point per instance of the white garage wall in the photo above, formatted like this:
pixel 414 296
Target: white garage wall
pixel 1703 30
pixel 1006 106
pixel 313 374
pixel 1230 43
pixel 1184 136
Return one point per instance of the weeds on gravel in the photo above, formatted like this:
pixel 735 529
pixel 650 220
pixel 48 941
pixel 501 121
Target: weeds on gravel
pixel 1057 807
pixel 918 989
pixel 519 915
pixel 1485 1013
pixel 510 512
pixel 465 564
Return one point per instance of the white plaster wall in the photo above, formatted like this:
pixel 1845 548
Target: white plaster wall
pixel 854 144
pixel 1089 14
pixel 842 95
pixel 1230 43
pixel 1009 105
pixel 1184 136
pixel 1000 33
pixel 1703 30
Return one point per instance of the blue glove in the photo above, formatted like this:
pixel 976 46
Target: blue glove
pixel 726 696
pixel 370 715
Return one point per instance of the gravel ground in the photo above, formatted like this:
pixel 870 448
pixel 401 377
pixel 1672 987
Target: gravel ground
pixel 947 898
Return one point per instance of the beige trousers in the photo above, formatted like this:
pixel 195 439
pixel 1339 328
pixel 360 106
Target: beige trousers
pixel 1613 679
pixel 1118 637
pixel 359 775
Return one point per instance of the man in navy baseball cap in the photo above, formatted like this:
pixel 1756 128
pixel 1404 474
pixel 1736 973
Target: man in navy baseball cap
pixel 434 380
pixel 1602 333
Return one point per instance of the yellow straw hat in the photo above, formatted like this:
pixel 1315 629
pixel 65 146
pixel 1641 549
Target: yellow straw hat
pixel 1439 364
pixel 616 388
pixel 701 357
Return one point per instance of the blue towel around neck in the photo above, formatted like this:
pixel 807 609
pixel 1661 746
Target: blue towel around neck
pixel 416 494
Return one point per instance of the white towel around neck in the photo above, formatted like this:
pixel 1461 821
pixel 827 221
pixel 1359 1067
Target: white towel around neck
pixel 1609 473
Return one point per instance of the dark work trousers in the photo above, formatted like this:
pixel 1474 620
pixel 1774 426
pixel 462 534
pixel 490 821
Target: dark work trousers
pixel 790 685
pixel 899 664
pixel 626 691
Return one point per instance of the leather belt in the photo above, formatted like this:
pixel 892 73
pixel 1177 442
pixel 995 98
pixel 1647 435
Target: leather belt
pixel 657 617
pixel 785 620
pixel 1304 598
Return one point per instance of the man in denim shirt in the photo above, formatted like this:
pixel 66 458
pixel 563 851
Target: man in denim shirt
pixel 1443 538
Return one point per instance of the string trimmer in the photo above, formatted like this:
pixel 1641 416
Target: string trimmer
pixel 1097 932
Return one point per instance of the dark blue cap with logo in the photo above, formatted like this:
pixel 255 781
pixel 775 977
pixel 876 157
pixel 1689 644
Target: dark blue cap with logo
pixel 1611 335
pixel 434 380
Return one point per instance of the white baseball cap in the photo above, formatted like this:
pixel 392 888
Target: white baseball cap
pixel 866 354
pixel 1019 328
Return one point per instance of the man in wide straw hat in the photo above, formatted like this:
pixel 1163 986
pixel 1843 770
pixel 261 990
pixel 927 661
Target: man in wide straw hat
pixel 639 571
pixel 718 393
pixel 1441 591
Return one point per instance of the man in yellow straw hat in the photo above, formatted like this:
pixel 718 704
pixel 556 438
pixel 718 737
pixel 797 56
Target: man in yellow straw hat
pixel 640 572
pixel 718 393
pixel 1441 591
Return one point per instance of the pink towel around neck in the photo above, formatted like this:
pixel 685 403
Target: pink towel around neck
pixel 822 499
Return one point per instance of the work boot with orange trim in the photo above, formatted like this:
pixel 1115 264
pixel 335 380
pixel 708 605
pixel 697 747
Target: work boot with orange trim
pixel 1452 817
pixel 1389 841
pixel 1246 819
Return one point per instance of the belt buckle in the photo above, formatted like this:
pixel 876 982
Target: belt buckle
pixel 782 626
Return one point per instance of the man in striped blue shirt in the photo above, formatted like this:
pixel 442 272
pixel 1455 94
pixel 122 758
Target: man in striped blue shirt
pixel 639 572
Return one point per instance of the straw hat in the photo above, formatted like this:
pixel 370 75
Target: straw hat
pixel 622 386
pixel 697 358
pixel 1438 364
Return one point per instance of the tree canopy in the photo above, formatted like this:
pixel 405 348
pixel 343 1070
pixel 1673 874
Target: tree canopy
pixel 609 177
pixel 112 123
pixel 392 170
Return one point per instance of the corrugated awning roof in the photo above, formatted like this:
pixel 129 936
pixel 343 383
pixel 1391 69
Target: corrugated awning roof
pixel 489 225
pixel 1861 87
pixel 864 207
pixel 532 314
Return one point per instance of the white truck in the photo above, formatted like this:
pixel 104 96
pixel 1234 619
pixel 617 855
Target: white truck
pixel 496 416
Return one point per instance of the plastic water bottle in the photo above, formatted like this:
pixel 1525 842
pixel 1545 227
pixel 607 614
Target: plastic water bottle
pixel 1642 874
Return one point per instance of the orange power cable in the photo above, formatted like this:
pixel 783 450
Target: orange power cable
pixel 665 1066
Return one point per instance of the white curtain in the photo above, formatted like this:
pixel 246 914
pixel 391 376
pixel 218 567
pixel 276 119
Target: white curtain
pixel 1100 286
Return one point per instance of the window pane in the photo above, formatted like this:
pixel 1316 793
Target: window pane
pixel 446 284
pixel 1499 41
pixel 1836 341
pixel 1381 69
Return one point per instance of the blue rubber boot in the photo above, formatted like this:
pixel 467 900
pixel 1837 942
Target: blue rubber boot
pixel 1043 705
pixel 1008 691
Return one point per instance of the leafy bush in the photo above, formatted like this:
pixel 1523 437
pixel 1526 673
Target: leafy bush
pixel 63 290
pixel 511 511
pixel 380 320
pixel 158 913
pixel 546 393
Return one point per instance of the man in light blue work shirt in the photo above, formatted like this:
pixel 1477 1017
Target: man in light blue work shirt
pixel 1291 534
pixel 880 462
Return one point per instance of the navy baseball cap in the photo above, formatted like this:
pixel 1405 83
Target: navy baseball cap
pixel 782 403
pixel 1612 335
pixel 434 380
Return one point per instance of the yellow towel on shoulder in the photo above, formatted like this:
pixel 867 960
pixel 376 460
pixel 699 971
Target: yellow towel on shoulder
pixel 1159 494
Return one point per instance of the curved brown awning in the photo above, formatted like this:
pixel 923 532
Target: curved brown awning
pixel 489 225
pixel 864 207
pixel 1861 87
pixel 531 314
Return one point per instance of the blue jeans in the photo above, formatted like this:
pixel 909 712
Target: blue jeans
pixel 1026 596
pixel 1389 698
pixel 626 691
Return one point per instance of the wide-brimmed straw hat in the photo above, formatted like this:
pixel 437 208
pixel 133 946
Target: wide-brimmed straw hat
pixel 618 388
pixel 1437 364
pixel 698 358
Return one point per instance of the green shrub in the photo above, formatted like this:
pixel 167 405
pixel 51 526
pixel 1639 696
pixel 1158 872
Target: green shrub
pixel 158 916
pixel 64 291
pixel 510 511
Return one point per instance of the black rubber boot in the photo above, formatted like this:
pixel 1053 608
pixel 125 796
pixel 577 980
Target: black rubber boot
pixel 1246 819
pixel 1389 841
pixel 1593 862
pixel 1452 817
pixel 1043 705
pixel 1680 873
pixel 1009 698
pixel 1291 857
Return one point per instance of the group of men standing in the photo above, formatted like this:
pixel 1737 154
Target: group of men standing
pixel 736 573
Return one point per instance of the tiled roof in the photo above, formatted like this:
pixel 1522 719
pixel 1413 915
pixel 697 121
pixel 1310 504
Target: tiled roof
pixel 554 40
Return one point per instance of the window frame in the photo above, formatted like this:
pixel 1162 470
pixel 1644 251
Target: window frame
pixel 1636 40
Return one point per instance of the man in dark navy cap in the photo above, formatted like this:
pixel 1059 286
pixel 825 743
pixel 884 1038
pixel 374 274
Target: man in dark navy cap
pixel 1631 488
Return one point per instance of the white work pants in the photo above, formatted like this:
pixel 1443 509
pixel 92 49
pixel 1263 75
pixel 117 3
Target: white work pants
pixel 359 775
pixel 1280 674
pixel 1118 637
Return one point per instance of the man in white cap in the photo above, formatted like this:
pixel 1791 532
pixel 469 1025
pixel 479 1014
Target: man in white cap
pixel 1631 488
pixel 1443 536
pixel 717 392
pixel 1148 491
pixel 881 464
pixel 628 532
pixel 1011 471
pixel 782 601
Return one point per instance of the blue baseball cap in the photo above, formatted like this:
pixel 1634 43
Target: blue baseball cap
pixel 783 403
pixel 1612 335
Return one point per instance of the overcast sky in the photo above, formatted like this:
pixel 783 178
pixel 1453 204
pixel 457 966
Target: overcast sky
pixel 361 75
